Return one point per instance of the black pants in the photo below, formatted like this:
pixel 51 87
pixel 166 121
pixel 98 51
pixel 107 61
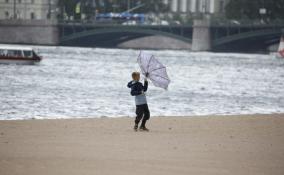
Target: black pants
pixel 142 112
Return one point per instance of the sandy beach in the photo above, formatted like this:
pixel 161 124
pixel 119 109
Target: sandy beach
pixel 213 145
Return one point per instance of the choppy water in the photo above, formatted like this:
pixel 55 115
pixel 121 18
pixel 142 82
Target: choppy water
pixel 84 82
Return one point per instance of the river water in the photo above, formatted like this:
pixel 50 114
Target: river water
pixel 86 82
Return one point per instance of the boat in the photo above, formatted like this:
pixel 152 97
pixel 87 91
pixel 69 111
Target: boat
pixel 280 52
pixel 18 55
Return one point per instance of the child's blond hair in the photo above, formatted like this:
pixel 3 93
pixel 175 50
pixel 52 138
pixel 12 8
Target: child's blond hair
pixel 135 74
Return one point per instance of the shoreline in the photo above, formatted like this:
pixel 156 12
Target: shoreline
pixel 132 117
pixel 263 52
pixel 211 145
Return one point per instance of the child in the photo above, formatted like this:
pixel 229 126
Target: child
pixel 138 90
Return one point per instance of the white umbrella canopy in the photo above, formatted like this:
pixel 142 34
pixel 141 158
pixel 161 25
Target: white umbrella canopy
pixel 154 70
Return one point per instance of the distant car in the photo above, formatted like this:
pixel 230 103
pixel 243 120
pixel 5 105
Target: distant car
pixel 129 23
pixel 125 18
pixel 164 23
pixel 235 22
pixel 175 23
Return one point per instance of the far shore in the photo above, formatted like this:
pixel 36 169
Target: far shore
pixel 206 145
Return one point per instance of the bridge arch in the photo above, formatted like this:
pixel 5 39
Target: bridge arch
pixel 257 35
pixel 123 31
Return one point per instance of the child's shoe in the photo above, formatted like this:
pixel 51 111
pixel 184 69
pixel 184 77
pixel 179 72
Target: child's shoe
pixel 143 128
pixel 135 127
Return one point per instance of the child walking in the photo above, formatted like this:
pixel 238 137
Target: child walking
pixel 142 111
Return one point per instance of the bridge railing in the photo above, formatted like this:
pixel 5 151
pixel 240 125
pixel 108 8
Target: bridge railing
pixel 116 23
pixel 246 22
pixel 215 22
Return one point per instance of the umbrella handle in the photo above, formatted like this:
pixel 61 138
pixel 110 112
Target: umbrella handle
pixel 147 75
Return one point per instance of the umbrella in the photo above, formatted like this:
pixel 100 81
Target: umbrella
pixel 154 70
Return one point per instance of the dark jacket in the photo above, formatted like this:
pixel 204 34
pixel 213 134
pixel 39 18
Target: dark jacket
pixel 137 87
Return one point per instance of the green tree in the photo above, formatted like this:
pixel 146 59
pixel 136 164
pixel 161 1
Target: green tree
pixel 249 9
pixel 154 6
pixel 67 7
pixel 89 7
pixel 105 6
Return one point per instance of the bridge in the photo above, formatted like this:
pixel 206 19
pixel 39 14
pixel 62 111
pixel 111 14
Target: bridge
pixel 201 36
pixel 221 37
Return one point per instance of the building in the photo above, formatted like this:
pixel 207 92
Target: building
pixel 28 9
pixel 197 6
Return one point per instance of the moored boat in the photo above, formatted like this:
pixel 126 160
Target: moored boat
pixel 18 55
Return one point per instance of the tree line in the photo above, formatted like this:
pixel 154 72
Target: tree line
pixel 235 9
pixel 90 7
pixel 250 9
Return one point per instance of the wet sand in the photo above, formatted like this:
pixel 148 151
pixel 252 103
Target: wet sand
pixel 212 145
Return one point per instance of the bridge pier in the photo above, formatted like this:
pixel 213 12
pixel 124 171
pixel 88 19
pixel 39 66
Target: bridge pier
pixel 201 39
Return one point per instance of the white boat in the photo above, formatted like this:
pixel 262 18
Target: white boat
pixel 280 52
pixel 18 55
